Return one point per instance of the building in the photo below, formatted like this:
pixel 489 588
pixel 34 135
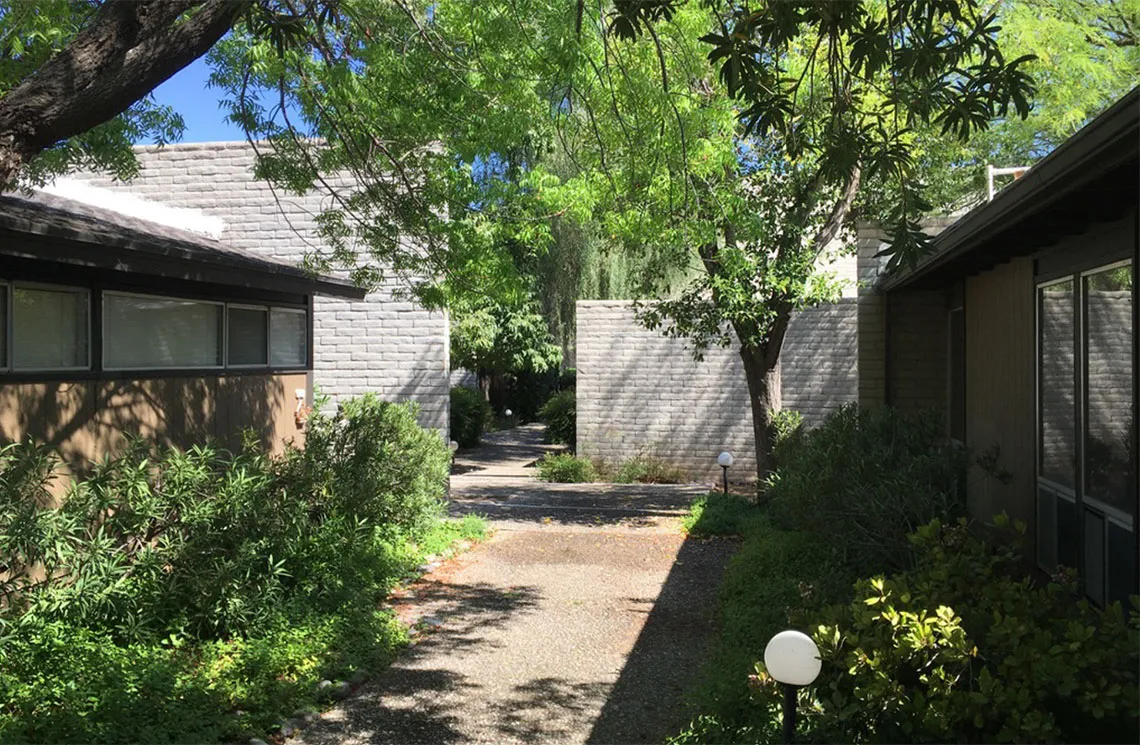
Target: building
pixel 387 345
pixel 1021 325
pixel 112 325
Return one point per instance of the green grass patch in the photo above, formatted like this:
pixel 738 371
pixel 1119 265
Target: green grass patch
pixel 721 514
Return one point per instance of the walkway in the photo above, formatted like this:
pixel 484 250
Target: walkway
pixel 581 620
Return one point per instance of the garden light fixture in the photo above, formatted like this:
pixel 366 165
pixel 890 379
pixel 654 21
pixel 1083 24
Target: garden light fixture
pixel 453 446
pixel 724 460
pixel 792 659
pixel 508 413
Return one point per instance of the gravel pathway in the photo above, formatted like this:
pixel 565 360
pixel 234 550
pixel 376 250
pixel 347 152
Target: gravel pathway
pixel 581 620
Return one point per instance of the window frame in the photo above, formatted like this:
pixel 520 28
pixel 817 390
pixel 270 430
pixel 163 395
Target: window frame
pixel 10 358
pixel 126 293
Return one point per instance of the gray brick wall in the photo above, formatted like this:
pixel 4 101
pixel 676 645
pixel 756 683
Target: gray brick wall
pixel 381 344
pixel 642 392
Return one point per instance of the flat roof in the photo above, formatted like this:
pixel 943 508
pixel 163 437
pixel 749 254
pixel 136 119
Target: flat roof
pixel 1091 177
pixel 72 232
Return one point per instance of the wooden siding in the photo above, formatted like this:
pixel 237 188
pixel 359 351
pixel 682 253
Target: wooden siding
pixel 1000 388
pixel 917 349
pixel 86 420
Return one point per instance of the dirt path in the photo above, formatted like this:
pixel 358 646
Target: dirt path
pixel 580 620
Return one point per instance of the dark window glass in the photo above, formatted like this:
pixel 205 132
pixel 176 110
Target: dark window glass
pixel 248 336
pixel 1121 563
pixel 1066 533
pixel 1109 428
pixel 1057 383
pixel 1046 529
pixel 142 332
pixel 1094 557
pixel 288 337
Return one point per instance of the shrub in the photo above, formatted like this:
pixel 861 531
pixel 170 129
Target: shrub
pixel 965 648
pixel 171 587
pixel 561 417
pixel 566 469
pixel 864 479
pixel 648 469
pixel 470 414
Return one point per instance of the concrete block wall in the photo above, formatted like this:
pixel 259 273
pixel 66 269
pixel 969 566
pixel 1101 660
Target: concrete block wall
pixel 642 392
pixel 383 344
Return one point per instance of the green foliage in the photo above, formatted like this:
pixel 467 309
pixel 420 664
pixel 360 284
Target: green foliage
pixel 721 514
pixel 470 414
pixel 499 339
pixel 561 416
pixel 564 468
pixel 965 648
pixel 865 479
pixel 169 589
pixel 774 575
pixel 648 469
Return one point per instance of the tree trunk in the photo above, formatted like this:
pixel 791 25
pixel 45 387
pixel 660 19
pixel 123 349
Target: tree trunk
pixel 764 398
pixel 129 48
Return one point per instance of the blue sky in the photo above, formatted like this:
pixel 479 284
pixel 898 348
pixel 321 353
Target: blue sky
pixel 187 93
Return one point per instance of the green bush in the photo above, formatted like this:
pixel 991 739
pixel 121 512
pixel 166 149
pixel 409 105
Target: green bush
pixel 965 648
pixel 566 469
pixel 561 416
pixel 470 414
pixel 171 587
pixel 864 479
pixel 648 469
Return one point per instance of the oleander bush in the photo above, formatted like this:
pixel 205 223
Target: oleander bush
pixel 170 588
pixel 865 479
pixel 565 468
pixel 470 416
pixel 560 413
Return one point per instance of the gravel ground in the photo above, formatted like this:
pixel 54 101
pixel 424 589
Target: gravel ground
pixel 581 620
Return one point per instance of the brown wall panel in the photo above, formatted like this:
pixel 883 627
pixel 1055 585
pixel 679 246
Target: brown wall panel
pixel 87 420
pixel 1000 387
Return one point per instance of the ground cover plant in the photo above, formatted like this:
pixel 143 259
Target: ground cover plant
pixel 203 596
pixel 565 468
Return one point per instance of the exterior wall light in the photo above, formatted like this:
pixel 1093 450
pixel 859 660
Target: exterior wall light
pixel 724 460
pixel 792 659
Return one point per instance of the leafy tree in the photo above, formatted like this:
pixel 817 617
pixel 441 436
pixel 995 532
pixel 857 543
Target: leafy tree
pixel 492 339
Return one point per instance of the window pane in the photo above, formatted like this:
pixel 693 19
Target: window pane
pixel 247 340
pixel 1094 557
pixel 1058 450
pixel 1046 530
pixel 289 333
pixel 49 328
pixel 1109 428
pixel 1121 563
pixel 146 332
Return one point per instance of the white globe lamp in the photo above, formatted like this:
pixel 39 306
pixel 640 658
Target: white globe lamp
pixel 792 659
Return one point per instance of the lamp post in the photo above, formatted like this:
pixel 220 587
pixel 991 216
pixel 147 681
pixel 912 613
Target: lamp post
pixel 792 659
pixel 724 460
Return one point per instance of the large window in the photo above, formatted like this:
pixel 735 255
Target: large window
pixel 145 332
pixel 49 328
pixel 1087 488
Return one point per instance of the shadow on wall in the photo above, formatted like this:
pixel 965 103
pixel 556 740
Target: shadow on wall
pixel 84 421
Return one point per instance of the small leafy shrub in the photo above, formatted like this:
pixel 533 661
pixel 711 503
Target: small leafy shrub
pixel 720 514
pixel 561 416
pixel 648 469
pixel 470 414
pixel 866 478
pixel 965 648
pixel 565 468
